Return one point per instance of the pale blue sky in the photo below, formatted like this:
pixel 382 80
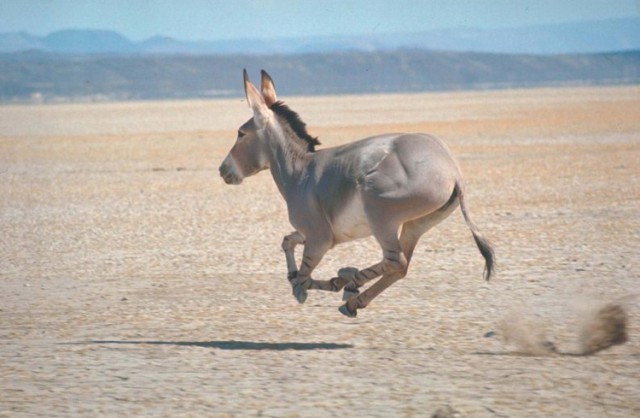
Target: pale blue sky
pixel 237 19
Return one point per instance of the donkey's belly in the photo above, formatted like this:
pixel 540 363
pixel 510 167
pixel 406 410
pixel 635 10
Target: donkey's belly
pixel 351 223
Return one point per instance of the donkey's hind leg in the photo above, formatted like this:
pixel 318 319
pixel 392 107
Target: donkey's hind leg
pixel 409 237
pixel 395 269
pixel 357 278
pixel 349 278
pixel 394 266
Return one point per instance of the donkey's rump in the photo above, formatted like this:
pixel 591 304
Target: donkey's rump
pixel 416 177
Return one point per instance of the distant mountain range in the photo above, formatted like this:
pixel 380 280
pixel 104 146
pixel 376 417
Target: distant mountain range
pixel 569 38
pixel 36 76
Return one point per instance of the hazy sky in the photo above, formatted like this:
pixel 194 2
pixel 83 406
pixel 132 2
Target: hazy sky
pixel 234 19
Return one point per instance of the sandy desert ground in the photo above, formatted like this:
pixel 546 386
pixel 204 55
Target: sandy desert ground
pixel 136 283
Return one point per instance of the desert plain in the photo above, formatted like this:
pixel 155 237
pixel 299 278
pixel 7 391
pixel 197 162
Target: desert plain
pixel 134 282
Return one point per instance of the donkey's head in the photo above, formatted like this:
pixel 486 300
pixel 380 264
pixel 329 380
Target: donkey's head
pixel 250 154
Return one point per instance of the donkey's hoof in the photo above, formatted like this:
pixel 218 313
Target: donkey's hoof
pixel 300 293
pixel 348 273
pixel 349 293
pixel 344 310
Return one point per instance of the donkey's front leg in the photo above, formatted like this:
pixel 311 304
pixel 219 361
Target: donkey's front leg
pixel 313 253
pixel 289 244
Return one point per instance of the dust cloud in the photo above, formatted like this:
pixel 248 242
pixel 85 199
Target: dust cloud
pixel 598 325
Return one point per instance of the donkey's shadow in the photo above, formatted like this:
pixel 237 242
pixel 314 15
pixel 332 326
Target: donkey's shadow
pixel 232 345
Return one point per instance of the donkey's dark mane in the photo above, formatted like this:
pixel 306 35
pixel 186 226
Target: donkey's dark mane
pixel 296 124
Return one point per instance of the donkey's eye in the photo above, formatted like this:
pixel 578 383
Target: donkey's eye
pixel 241 134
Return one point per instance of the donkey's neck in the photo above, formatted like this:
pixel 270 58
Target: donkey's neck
pixel 289 158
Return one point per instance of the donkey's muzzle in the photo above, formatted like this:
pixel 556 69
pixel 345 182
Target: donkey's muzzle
pixel 228 174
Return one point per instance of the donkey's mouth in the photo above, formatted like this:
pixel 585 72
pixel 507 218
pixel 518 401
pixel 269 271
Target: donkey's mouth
pixel 231 179
pixel 229 176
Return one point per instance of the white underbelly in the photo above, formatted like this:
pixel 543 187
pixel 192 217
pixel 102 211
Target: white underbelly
pixel 352 222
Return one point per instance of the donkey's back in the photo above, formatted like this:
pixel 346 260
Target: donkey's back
pixel 397 177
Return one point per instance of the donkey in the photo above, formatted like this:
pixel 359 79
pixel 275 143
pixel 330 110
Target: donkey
pixel 392 186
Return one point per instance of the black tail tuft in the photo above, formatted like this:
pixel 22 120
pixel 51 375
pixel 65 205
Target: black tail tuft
pixel 487 252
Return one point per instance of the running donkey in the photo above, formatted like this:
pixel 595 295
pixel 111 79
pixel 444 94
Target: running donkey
pixel 392 186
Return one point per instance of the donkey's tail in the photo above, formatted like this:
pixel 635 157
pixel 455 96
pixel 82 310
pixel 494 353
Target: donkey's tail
pixel 483 244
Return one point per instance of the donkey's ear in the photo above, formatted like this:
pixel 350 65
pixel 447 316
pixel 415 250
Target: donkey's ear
pixel 256 102
pixel 247 85
pixel 268 88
